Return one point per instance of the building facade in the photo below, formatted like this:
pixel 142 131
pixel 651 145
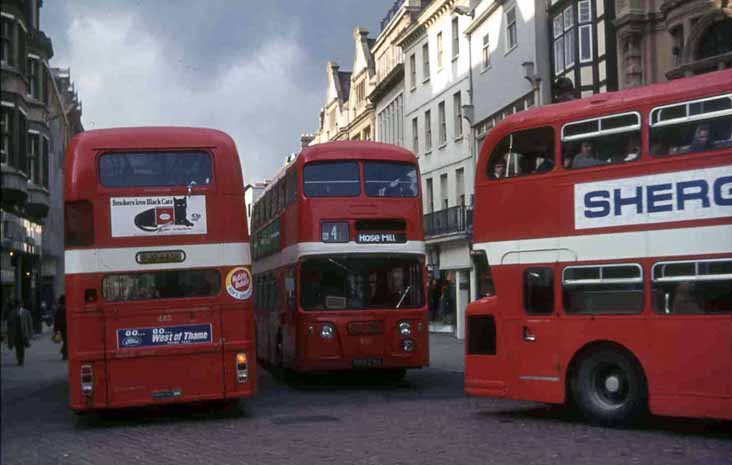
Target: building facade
pixel 387 95
pixel 661 40
pixel 348 114
pixel 437 86
pixel 38 118
pixel 583 44
pixel 510 62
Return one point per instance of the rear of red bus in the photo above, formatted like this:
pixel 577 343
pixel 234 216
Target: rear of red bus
pixel 355 246
pixel 158 280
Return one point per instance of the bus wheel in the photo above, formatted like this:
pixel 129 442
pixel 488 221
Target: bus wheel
pixel 609 388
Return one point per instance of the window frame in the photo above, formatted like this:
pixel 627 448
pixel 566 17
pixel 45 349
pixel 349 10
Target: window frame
pixel 486 52
pixel 426 62
pixel 511 24
pixel 428 130
pixel 600 132
pixel 442 124
pixel 603 281
pixel 525 294
pixel 455 38
pixel 687 118
pixel 440 51
pixel 457 102
pixel 695 277
pixel 358 169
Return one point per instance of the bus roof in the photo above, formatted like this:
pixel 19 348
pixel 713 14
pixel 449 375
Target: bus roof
pixel 151 137
pixel 667 92
pixel 367 150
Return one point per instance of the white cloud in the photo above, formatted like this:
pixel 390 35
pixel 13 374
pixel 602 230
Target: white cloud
pixel 127 77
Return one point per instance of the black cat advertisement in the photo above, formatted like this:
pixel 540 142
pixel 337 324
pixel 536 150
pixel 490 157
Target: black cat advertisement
pixel 150 216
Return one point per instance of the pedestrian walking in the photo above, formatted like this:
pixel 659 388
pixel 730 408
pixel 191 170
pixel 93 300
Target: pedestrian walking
pixel 20 330
pixel 59 325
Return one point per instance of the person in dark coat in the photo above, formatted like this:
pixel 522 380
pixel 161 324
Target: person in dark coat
pixel 20 330
pixel 59 325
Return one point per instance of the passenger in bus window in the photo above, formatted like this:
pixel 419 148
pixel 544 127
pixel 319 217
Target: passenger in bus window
pixel 586 156
pixel 658 148
pixel 547 164
pixel 499 169
pixel 684 301
pixel 632 148
pixel 702 139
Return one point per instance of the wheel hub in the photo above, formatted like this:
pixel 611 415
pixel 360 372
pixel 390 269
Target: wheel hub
pixel 612 384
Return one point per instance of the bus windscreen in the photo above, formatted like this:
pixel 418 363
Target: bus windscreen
pixel 332 179
pixel 154 169
pixel 338 283
pixel 388 179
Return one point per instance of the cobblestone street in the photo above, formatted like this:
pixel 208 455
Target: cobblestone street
pixel 345 419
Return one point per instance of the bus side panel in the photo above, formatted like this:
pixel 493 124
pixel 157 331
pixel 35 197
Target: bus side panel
pixel 86 343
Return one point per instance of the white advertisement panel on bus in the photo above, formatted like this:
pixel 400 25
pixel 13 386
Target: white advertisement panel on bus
pixel 657 198
pixel 154 216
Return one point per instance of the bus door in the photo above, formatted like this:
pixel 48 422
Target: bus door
pixel 535 338
pixel 160 352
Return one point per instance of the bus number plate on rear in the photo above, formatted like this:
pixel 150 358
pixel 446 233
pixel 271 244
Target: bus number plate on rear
pixel 130 338
pixel 367 363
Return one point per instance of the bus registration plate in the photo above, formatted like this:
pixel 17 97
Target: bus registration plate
pixel 363 363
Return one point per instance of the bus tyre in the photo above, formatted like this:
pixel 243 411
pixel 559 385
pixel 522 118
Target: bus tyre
pixel 609 388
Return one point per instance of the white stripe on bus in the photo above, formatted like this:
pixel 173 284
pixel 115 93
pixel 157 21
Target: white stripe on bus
pixel 293 253
pixel 109 260
pixel 620 245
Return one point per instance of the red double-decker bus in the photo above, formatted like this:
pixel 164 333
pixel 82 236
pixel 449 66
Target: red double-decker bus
pixel 158 280
pixel 339 261
pixel 606 226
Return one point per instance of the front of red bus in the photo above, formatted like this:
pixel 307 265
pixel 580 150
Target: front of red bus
pixel 361 260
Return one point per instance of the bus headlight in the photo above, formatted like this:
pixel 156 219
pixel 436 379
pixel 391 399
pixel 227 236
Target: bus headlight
pixel 408 345
pixel 405 329
pixel 327 331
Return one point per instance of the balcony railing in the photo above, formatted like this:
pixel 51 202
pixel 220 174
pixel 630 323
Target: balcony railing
pixel 451 220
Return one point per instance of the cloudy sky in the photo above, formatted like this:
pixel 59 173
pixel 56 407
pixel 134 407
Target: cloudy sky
pixel 253 68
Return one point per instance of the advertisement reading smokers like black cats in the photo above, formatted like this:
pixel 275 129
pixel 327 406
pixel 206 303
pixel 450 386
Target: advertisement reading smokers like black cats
pixel 157 216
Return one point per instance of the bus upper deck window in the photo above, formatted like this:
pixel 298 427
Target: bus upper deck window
pixel 332 179
pixel 154 169
pixel 523 153
pixel 601 141
pixel 692 127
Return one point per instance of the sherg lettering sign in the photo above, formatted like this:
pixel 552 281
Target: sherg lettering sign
pixel 130 338
pixel 380 238
pixel 657 198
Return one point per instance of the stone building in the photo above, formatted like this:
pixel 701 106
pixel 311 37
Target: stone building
pixel 387 95
pixel 437 86
pixel 36 122
pixel 667 39
pixel 348 114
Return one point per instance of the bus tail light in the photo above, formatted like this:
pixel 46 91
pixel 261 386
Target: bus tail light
pixel 87 379
pixel 408 345
pixel 79 223
pixel 242 371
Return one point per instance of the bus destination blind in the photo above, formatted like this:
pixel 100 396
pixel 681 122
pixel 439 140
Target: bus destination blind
pixel 129 338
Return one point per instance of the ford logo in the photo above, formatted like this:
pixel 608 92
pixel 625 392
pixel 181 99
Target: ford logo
pixel 131 341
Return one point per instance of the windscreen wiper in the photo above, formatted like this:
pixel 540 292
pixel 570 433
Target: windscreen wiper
pixel 404 294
